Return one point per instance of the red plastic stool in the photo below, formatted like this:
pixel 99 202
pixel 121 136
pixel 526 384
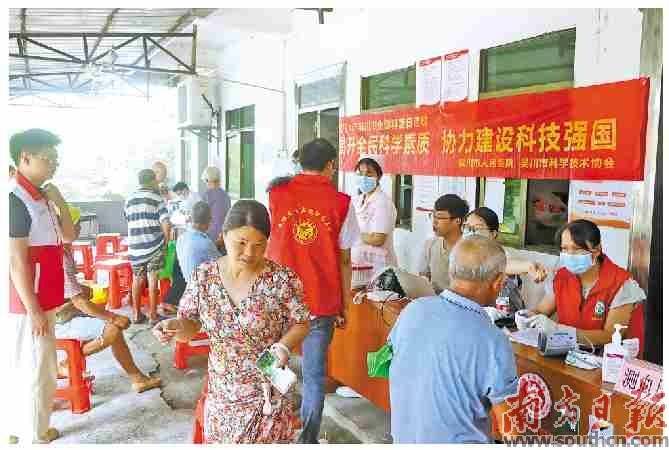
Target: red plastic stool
pixel 184 350
pixel 83 256
pixel 117 274
pixel 78 392
pixel 106 245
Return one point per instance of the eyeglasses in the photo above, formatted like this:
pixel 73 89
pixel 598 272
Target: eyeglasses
pixel 51 159
pixel 470 229
pixel 432 216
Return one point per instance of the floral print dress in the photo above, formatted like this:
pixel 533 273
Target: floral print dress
pixel 233 410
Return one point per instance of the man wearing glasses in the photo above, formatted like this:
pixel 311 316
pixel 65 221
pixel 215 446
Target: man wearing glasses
pixel 36 283
pixel 447 218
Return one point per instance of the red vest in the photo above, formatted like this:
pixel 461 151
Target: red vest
pixel 591 314
pixel 307 215
pixel 45 250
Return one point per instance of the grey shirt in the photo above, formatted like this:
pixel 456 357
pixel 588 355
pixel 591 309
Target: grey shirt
pixel 434 261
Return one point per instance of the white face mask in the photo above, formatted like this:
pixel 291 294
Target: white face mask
pixel 473 232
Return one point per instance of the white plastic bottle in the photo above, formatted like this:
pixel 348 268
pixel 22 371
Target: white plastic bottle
pixel 614 356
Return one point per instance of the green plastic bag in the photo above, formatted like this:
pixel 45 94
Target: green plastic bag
pixel 378 362
pixel 170 256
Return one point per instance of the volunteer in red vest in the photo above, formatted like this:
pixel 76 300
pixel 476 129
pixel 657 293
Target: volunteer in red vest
pixel 590 293
pixel 313 230
pixel 36 284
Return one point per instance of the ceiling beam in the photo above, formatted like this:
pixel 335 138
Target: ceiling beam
pixel 43 35
pixel 105 29
pixel 43 74
pixel 180 23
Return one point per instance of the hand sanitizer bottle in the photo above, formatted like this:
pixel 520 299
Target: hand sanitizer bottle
pixel 614 356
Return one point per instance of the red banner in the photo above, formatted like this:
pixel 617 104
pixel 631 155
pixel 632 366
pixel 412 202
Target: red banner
pixel 589 133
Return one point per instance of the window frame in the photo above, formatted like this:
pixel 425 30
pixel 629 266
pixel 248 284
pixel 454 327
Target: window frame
pixel 518 240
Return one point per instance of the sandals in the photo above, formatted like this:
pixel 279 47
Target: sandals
pixel 51 435
pixel 147 384
pixel 159 318
pixel 141 318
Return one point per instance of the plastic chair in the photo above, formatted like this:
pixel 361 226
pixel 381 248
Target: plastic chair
pixel 164 285
pixel 184 350
pixel 78 392
pixel 106 245
pixel 83 256
pixel 198 423
pixel 117 274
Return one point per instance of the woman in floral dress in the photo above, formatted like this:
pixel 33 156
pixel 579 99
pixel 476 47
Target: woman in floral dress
pixel 246 304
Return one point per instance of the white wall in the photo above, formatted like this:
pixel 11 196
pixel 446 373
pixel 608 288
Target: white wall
pixel 373 41
pixel 256 60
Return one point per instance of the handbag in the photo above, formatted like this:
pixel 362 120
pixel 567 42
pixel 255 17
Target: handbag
pixel 378 362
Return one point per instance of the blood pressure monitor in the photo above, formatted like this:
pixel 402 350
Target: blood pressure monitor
pixel 557 343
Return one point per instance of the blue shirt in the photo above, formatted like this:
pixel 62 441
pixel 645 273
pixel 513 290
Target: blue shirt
pixel 450 365
pixel 193 248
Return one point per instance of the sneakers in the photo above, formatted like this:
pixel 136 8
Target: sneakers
pixel 51 435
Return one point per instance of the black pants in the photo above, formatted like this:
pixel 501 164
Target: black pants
pixel 178 285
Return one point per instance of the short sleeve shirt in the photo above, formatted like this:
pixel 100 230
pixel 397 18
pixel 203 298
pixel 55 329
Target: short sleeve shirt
pixel 350 231
pixel 375 215
pixel 434 260
pixel 450 366
pixel 19 218
pixel 629 293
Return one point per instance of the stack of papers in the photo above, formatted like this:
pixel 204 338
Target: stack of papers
pixel 529 336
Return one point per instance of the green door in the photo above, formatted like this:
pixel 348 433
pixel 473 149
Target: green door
pixel 248 164
pixel 240 165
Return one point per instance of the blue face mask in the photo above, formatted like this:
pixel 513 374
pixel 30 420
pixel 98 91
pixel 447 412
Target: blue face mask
pixel 576 264
pixel 366 184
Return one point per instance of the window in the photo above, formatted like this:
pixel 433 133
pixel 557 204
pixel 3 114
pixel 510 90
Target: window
pixel 542 60
pixel 237 119
pixel 239 158
pixel 321 92
pixel 533 210
pixel 388 91
pixel 403 200
pixel 323 123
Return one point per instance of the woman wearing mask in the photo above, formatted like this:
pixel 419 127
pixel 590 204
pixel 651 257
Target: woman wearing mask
pixel 589 292
pixel 484 222
pixel 376 216
pixel 246 304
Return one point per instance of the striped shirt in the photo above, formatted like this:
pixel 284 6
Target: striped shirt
pixel 145 210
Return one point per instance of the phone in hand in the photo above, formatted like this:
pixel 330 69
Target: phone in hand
pixel 283 379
